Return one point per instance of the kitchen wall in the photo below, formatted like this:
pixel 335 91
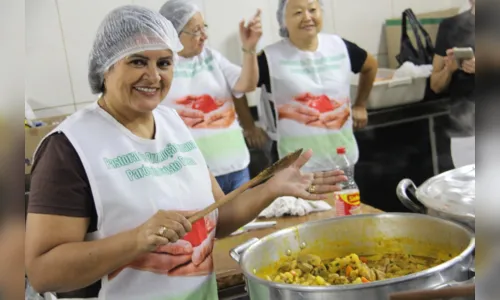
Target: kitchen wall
pixel 59 35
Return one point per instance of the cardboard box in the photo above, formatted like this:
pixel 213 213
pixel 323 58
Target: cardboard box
pixel 430 22
pixel 33 137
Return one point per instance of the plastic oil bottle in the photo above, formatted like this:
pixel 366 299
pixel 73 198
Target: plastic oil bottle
pixel 347 201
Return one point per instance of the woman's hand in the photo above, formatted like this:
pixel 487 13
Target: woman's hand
pixel 191 117
pixel 298 113
pixel 162 228
pixel 359 116
pixel 469 66
pixel 309 186
pixel 250 34
pixel 450 62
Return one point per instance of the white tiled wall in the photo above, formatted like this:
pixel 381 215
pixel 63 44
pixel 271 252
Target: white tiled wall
pixel 59 35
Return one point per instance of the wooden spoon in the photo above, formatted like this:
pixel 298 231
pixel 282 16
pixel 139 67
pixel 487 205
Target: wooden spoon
pixel 444 293
pixel 281 164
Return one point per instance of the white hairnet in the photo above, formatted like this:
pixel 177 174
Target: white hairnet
pixel 280 15
pixel 124 31
pixel 179 12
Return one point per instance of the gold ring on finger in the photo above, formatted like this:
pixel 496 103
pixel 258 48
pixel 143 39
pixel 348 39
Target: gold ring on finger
pixel 311 189
pixel 162 231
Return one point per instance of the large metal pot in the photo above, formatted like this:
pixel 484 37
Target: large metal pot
pixel 358 234
pixel 449 195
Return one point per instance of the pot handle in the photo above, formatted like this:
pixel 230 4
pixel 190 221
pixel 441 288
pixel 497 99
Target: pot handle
pixel 471 272
pixel 237 251
pixel 413 205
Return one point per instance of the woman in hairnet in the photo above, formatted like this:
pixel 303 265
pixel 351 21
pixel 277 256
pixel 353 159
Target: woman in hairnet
pixel 113 185
pixel 203 88
pixel 308 77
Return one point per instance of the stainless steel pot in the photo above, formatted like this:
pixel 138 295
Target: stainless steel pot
pixel 363 233
pixel 450 195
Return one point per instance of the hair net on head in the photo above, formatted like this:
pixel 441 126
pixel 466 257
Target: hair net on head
pixel 179 12
pixel 280 15
pixel 124 31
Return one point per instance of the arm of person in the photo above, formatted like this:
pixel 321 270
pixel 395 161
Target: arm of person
pixel 249 73
pixel 366 66
pixel 57 258
pixel 240 79
pixel 366 79
pixel 290 181
pixel 441 75
pixel 244 115
pixel 241 210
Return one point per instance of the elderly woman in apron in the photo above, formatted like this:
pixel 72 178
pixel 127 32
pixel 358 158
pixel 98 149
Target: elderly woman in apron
pixel 306 76
pixel 113 185
pixel 204 86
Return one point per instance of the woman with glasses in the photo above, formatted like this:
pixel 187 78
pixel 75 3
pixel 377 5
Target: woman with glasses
pixel 204 86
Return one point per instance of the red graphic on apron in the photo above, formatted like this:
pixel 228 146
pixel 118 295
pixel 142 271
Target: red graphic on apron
pixel 204 103
pixel 206 112
pixel 316 111
pixel 320 103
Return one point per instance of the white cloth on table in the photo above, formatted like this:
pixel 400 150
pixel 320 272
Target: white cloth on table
pixel 294 207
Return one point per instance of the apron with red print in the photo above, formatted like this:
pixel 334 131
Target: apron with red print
pixel 201 92
pixel 131 179
pixel 311 95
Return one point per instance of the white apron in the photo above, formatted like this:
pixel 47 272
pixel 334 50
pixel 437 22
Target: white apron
pixel 203 84
pixel 319 81
pixel 131 179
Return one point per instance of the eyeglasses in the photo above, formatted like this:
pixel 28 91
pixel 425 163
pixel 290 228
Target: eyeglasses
pixel 197 32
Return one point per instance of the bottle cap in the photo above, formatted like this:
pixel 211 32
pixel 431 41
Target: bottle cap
pixel 341 150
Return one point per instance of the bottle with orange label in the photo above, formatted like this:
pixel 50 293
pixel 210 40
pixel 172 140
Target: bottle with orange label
pixel 347 201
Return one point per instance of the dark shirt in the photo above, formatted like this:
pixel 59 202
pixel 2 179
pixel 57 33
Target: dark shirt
pixel 357 56
pixel 59 186
pixel 458 31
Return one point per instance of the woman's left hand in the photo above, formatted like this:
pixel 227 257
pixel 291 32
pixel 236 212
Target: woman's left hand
pixel 250 34
pixel 359 116
pixel 469 66
pixel 309 186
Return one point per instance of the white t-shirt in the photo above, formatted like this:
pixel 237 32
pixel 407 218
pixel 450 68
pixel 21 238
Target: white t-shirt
pixel 201 92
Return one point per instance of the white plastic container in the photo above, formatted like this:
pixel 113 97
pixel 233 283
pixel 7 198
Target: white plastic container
pixel 393 91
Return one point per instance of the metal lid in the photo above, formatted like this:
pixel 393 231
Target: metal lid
pixel 453 192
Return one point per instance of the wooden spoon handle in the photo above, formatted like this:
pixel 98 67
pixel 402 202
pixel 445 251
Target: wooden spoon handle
pixel 200 214
pixel 283 163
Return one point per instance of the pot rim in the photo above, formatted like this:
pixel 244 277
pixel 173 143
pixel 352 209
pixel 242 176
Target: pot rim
pixel 300 288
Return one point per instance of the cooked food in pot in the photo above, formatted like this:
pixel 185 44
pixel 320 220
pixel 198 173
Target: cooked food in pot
pixel 309 269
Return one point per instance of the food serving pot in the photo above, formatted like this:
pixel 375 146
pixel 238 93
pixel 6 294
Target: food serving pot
pixel 449 195
pixel 411 233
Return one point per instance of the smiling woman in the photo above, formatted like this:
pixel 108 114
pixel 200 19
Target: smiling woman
pixel 112 186
pixel 307 77
pixel 140 81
